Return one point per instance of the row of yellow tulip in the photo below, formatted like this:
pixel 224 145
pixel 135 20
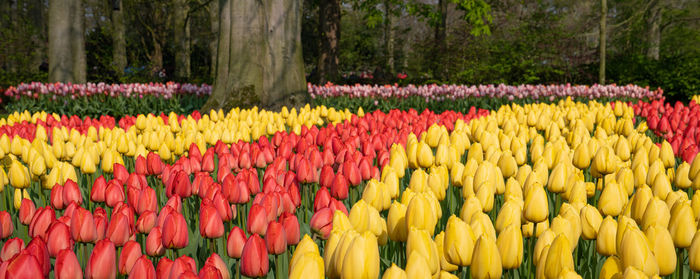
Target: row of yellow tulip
pixel 554 187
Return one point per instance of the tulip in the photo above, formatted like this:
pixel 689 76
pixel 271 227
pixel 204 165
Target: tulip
pixel 603 162
pixel 656 213
pixel 361 260
pixel 510 247
pixel 394 272
pixel 11 248
pixel 19 175
pixel 559 257
pixel 43 218
pixel 6 226
pixel 129 254
pixel 119 229
pixel 67 265
pixel 174 231
pixel 459 242
pixel 254 262
pixel 611 200
pixel 215 261
pixel 58 238
pixel 56 197
pixel 424 155
pixel 682 224
pixel 276 238
pixel 635 252
pixel 419 241
pixel 142 269
pixel 444 264
pixel 305 246
pixel 97 192
pixel 291 227
pixel 183 267
pixel 396 222
pixel 82 226
pixel 235 242
pixel 590 221
pixel 210 223
pixel 420 214
pixel 417 267
pixel 662 245
pixel 307 265
pixel 23 266
pixel 146 222
pixel 71 193
pixel 257 220
pixel 339 187
pixel 485 262
pixel 154 243
pixel 536 205
pixel 26 211
pixel 611 266
pixel 102 261
pixel 163 268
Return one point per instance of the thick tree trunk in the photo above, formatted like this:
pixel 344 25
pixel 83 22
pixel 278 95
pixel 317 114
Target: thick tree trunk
pixel 329 26
pixel 603 35
pixel 264 54
pixel 78 42
pixel 36 14
pixel 389 39
pixel 182 39
pixel 118 37
pixel 439 68
pixel 157 56
pixel 213 44
pixel 60 50
pixel 654 29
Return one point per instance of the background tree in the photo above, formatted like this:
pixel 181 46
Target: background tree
pixel 66 41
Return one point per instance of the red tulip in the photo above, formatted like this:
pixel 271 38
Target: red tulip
pixel 129 254
pixel 67 265
pixel 58 238
pixel 175 202
pixel 254 262
pixel 142 269
pixel 70 209
pixel 83 228
pixel 208 161
pixel 26 211
pixel 56 198
pixel 6 227
pixel 97 192
pixel 339 187
pixel 210 223
pixel 352 172
pixel 43 218
pixel 271 204
pixel 222 206
pixel 304 171
pixel 146 222
pixel 235 242
pixel 154 243
pixel 71 193
pixel 102 261
pixel 24 266
pixel 276 238
pixel 322 222
pixel 119 230
pixel 100 225
pixel 37 248
pixel 365 168
pixel 209 272
pixel 174 231
pixel 322 198
pixel 181 266
pixel 148 201
pixel 11 248
pixel 257 220
pixel 140 165
pixel 120 173
pixel 154 164
pixel 114 194
pixel 286 203
pixel 215 261
pixel 291 227
pixel 164 267
pixel 181 185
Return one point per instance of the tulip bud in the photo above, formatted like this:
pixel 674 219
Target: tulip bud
pixel 559 257
pixel 536 205
pixel 661 245
pixel 486 262
pixel 129 254
pixel 6 226
pixel 510 247
pixel 682 225
pixel 590 221
pixel 67 265
pixel 396 222
pixel 417 266
pixel 611 200
pixel 102 261
pixel 419 241
pixel 143 268
pixel 394 272
pixel 420 214
pixel 254 262
pixel 635 252
pixel 19 175
pixel 424 155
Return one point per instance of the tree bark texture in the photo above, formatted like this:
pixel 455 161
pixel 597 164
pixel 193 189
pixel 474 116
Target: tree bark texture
pixel 259 54
pixel 654 29
pixel 118 38
pixel 182 39
pixel 603 35
pixel 78 42
pixel 329 26
pixel 60 50
pixel 439 68
pixel 213 44
pixel 36 14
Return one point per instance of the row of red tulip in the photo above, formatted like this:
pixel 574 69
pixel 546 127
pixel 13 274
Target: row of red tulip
pixel 149 208
pixel 678 124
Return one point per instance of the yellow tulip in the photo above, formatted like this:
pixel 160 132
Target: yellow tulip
pixel 603 163
pixel 507 164
pixel 471 206
pixel 419 181
pixel 510 213
pixel 87 165
pixel 682 179
pixel 17 199
pixel 694 253
pixel 419 241
pixel 424 155
pixel 394 272
pixel 38 166
pixel 309 265
pixel 611 267
pixel 396 222
pixel 639 201
pixel 417 266
pixel 666 155
pixel 304 246
pixel 661 186
pixel 682 225
pixel 486 262
pixel 459 242
pixel 476 153
pixel 559 257
pixel 590 222
pixel 365 218
pixel 656 213
pixel 611 200
pixel 557 179
pixel 362 258
pixel 420 214
pixel 582 157
pixel 536 205
pixel 19 175
pixel 510 247
pixel 606 239
pixel 376 195
pixel 440 243
pixel 661 245
pixel 635 252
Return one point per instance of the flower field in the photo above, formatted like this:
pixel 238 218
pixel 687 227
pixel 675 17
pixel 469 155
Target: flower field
pixel 578 185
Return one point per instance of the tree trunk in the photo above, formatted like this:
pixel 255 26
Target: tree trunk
pixel 213 44
pixel 439 68
pixel 654 29
pixel 13 48
pixel 329 27
pixel 60 51
pixel 78 42
pixel 36 14
pixel 182 39
pixel 603 26
pixel 388 39
pixel 157 57
pixel 263 56
pixel 118 38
